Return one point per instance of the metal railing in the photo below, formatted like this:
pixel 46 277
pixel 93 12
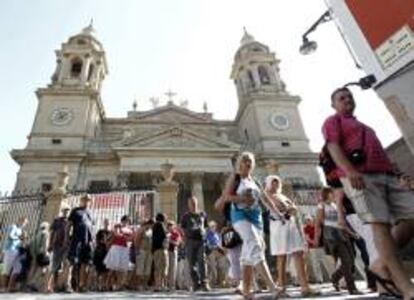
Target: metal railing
pixel 112 205
pixel 16 206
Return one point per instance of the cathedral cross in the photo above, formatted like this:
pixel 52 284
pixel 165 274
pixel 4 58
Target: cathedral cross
pixel 170 94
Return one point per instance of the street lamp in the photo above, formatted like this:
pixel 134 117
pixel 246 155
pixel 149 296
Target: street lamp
pixel 308 46
pixel 364 83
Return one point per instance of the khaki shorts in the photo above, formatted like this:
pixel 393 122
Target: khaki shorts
pixel 382 201
pixel 143 263
pixel 160 262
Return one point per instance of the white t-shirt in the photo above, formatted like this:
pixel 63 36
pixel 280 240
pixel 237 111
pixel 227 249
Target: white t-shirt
pixel 246 184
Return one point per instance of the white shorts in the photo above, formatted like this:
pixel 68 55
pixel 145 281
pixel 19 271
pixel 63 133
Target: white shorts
pixel 285 237
pixel 253 248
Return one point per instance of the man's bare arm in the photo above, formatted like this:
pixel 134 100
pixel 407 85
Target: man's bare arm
pixel 342 161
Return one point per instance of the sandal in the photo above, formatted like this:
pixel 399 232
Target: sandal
pixel 276 294
pixel 283 294
pixel 310 293
pixel 387 284
pixel 249 296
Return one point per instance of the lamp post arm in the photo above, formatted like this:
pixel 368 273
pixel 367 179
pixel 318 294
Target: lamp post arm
pixel 326 17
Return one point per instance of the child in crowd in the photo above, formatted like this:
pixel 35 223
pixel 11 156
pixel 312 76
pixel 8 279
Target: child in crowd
pixel 21 265
pixel 117 259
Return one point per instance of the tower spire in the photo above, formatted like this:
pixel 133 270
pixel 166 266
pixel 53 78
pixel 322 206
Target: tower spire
pixel 247 37
pixel 89 30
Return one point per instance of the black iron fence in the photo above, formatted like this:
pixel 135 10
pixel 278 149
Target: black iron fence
pixel 17 206
pixel 139 205
pixel 112 205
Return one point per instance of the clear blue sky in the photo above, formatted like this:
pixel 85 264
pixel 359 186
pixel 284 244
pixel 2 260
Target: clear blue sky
pixel 186 45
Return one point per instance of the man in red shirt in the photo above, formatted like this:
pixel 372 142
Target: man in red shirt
pixel 367 176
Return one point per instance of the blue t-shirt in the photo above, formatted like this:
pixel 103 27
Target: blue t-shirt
pixel 13 238
pixel 212 239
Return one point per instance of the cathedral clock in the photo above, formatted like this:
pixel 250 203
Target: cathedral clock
pixel 61 116
pixel 279 121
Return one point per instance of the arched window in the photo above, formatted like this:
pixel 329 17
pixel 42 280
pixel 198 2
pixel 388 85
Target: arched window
pixel 90 73
pixel 252 84
pixel 263 75
pixel 76 67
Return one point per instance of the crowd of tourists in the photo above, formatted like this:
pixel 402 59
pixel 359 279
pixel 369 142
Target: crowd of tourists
pixel 365 209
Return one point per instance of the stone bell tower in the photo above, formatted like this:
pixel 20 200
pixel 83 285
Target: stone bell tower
pixel 69 112
pixel 268 117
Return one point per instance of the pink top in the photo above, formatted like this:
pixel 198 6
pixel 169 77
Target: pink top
pixel 348 132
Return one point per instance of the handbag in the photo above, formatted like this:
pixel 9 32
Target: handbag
pixel 356 157
pixel 42 259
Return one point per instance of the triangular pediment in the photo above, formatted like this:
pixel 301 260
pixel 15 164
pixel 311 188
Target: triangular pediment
pixel 179 138
pixel 172 114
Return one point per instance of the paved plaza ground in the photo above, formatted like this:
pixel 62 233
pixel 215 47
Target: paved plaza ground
pixel 221 294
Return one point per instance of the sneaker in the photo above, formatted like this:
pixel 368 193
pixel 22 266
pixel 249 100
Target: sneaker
pixel 205 287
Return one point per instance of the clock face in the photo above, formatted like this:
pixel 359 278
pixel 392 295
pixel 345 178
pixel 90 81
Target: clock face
pixel 279 121
pixel 61 116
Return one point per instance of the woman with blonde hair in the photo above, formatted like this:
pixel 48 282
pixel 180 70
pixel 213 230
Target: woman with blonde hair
pixel 286 236
pixel 244 195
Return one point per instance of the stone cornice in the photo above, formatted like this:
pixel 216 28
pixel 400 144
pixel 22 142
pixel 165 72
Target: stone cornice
pixel 57 135
pixel 21 156
pixel 56 90
pixel 123 121
pixel 291 157
pixel 175 152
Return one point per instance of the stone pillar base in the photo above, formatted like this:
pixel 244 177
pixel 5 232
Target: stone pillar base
pixel 168 192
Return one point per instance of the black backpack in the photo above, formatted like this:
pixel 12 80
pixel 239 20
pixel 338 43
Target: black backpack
pixel 328 165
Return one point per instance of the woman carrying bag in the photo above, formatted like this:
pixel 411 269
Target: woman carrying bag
pixel 286 237
pixel 245 196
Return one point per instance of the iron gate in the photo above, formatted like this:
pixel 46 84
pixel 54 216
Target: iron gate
pixel 13 207
pixel 138 205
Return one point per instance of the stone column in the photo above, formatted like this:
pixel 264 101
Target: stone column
pixel 197 189
pixel 56 197
pixel 85 68
pixel 65 69
pixel 168 191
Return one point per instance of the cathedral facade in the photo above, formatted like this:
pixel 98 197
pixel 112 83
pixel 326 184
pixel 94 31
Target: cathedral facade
pixel 71 128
